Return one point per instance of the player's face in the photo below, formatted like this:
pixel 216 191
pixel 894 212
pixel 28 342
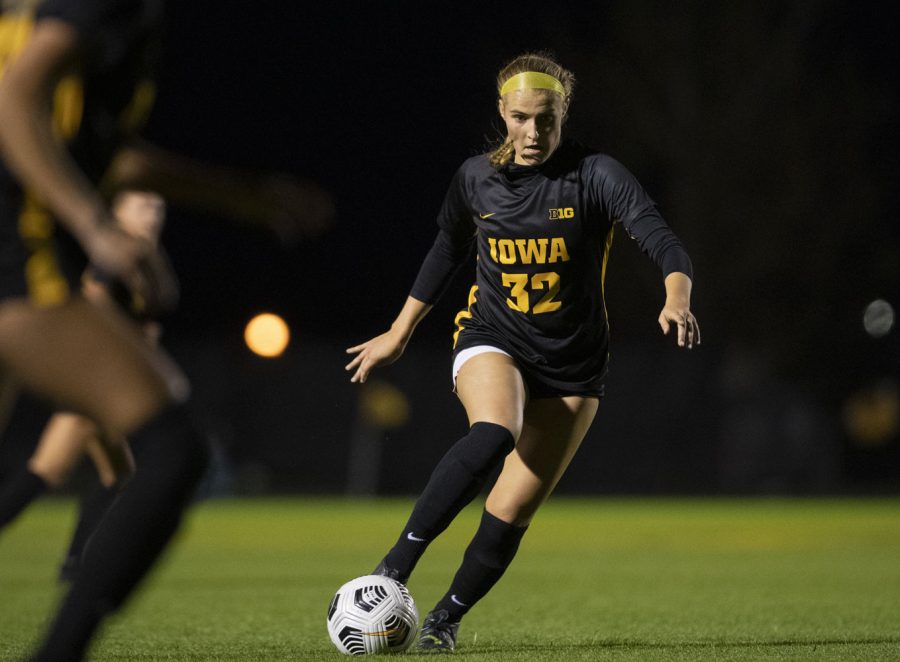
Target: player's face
pixel 140 214
pixel 533 123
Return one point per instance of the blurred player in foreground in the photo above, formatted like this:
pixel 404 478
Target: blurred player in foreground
pixel 531 349
pixel 69 436
pixel 76 85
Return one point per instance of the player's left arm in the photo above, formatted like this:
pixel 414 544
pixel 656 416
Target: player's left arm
pixel 624 199
pixel 677 310
pixel 289 206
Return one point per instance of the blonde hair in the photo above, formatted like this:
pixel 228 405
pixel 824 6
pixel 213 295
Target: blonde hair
pixel 541 62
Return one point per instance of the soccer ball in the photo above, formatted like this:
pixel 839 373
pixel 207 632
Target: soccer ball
pixel 372 614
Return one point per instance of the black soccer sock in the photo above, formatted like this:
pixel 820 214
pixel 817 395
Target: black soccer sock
pixel 15 496
pixel 486 559
pixel 134 531
pixel 93 507
pixel 455 481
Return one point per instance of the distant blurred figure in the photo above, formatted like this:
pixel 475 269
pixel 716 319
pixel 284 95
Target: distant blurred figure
pixel 69 436
pixel 76 85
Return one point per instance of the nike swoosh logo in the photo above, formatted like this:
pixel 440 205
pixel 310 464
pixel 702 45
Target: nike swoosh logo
pixel 410 536
pixel 456 600
pixel 484 216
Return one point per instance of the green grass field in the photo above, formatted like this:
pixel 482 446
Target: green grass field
pixel 599 579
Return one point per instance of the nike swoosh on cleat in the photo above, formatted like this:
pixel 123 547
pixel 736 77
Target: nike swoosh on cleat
pixel 456 600
pixel 410 536
pixel 484 216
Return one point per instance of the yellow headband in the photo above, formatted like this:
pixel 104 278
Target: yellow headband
pixel 532 80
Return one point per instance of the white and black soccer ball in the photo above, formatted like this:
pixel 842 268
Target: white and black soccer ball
pixel 372 614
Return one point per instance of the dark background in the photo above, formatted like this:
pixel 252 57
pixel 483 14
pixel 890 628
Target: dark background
pixel 767 133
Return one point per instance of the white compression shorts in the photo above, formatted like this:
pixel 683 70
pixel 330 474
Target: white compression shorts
pixel 468 353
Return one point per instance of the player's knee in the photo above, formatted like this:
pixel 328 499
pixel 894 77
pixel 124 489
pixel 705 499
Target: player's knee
pixel 483 448
pixel 131 411
pixel 514 508
pixel 53 473
pixel 511 421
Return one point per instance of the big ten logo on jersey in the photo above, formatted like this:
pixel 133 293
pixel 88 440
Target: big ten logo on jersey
pixel 562 213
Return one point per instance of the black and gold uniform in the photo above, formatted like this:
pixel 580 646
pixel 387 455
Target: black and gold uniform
pixel 96 108
pixel 542 236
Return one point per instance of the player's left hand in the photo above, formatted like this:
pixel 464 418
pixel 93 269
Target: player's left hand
pixel 688 329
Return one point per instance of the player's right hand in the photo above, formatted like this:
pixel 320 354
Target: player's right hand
pixel 142 267
pixel 112 251
pixel 380 350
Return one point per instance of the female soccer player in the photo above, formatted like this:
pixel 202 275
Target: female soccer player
pixel 530 350
pixel 73 88
pixel 75 85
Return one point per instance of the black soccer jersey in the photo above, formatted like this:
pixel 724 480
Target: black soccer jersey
pixel 542 235
pixel 105 100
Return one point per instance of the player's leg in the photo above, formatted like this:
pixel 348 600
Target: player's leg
pixel 17 491
pixel 112 460
pixel 9 395
pixel 114 464
pixel 552 432
pixel 62 444
pixel 77 353
pixel 21 488
pixel 98 364
pixel 32 344
pixel 66 438
pixel 60 447
pixel 491 389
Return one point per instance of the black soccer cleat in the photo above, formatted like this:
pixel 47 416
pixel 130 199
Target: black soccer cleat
pixel 438 633
pixel 391 573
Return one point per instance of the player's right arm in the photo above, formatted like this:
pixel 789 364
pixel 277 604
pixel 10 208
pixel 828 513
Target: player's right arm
pixel 450 249
pixel 438 269
pixel 36 155
pixel 389 346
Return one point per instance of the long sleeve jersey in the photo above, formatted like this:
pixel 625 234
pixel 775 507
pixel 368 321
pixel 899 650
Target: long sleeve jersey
pixel 542 236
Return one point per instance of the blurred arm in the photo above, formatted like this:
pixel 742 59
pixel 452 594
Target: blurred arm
pixel 289 206
pixel 30 148
pixel 37 156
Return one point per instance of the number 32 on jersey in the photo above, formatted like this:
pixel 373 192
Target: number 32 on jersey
pixel 520 301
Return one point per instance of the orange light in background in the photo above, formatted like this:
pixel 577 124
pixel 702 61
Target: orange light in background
pixel 267 335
